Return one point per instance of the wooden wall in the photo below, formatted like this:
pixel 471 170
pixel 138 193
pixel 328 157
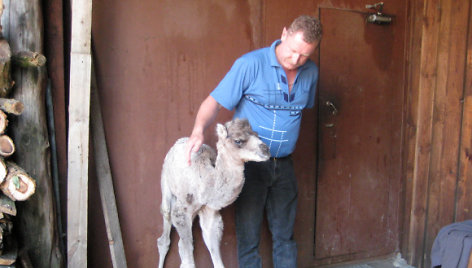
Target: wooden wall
pixel 438 178
pixel 438 108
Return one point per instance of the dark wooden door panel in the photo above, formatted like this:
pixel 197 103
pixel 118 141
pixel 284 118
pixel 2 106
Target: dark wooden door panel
pixel 359 138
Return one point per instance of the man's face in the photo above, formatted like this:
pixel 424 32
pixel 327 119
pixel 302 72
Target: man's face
pixel 293 52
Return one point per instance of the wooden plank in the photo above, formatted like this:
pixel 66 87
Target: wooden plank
pixel 79 113
pixel 447 119
pixel 105 181
pixel 464 192
pixel 423 138
pixel 78 161
pixel 411 102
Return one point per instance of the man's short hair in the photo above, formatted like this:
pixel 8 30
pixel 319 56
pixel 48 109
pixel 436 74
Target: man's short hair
pixel 310 26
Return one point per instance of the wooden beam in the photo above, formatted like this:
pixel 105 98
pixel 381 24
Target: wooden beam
pixel 422 116
pixel 79 113
pixel 413 50
pixel 463 210
pixel 105 182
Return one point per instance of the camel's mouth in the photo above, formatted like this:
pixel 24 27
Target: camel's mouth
pixel 256 157
pixel 264 156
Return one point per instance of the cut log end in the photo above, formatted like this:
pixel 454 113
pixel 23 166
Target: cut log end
pixel 1 9
pixel 7 147
pixel 1 13
pixel 3 122
pixel 18 185
pixel 7 206
pixel 11 106
pixel 29 59
pixel 3 170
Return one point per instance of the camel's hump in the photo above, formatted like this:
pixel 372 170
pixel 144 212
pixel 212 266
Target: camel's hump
pixel 204 154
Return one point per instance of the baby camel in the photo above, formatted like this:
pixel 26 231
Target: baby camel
pixel 210 183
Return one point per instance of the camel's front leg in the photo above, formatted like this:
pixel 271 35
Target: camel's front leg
pixel 182 220
pixel 212 230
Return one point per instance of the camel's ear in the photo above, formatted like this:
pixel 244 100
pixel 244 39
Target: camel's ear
pixel 221 131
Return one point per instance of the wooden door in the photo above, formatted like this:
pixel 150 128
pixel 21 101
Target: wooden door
pixel 359 126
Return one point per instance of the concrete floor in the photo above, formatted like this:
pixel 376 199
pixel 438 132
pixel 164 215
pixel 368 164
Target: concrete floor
pixel 389 262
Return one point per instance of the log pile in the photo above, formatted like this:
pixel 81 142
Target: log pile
pixel 15 183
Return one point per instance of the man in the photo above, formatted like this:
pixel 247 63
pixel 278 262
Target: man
pixel 269 87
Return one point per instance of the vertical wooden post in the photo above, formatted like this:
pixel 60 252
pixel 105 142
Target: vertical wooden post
pixel 79 113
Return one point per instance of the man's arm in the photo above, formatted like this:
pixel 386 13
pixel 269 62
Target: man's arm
pixel 205 116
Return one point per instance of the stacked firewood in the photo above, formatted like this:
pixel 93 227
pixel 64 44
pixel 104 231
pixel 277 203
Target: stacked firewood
pixel 15 183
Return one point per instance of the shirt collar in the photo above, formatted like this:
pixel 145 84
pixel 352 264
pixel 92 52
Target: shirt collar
pixel 273 59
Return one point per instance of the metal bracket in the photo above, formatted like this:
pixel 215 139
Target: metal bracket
pixel 378 17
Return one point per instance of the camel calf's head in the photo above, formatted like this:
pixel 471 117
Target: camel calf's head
pixel 238 138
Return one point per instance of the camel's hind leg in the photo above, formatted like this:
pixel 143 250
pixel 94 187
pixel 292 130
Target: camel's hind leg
pixel 182 218
pixel 164 241
pixel 212 230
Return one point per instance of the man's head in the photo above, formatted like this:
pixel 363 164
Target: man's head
pixel 299 41
pixel 309 26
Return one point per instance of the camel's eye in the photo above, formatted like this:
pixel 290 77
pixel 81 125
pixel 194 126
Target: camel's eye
pixel 238 142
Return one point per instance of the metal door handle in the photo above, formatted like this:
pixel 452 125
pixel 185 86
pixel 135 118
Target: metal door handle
pixel 334 110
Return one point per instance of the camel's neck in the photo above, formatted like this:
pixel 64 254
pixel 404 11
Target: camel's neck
pixel 228 166
pixel 229 180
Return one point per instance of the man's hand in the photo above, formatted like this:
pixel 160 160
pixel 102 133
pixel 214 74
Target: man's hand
pixel 193 145
pixel 206 114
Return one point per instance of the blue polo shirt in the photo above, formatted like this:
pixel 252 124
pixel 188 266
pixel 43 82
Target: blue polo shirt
pixel 256 87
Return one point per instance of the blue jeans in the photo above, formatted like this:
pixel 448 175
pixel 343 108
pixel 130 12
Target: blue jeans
pixel 272 186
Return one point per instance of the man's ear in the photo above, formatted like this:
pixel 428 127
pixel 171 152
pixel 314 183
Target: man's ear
pixel 221 131
pixel 284 34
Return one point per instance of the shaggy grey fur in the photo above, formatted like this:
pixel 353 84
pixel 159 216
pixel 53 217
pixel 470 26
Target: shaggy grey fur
pixel 211 182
